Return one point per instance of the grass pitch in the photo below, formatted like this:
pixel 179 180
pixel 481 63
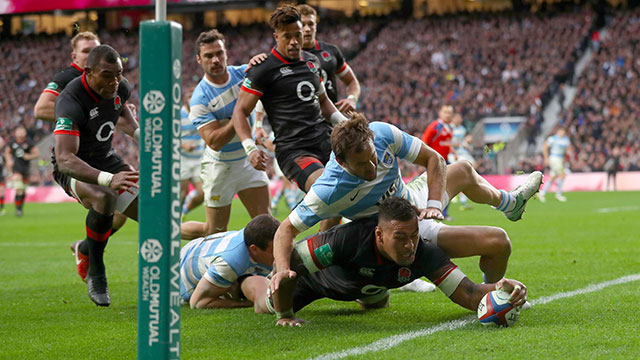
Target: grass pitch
pixel 45 312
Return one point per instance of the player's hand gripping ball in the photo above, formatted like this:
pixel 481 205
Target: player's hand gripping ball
pixel 494 309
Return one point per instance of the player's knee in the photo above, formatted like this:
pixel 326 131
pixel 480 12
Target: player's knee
pixel 499 242
pixel 104 199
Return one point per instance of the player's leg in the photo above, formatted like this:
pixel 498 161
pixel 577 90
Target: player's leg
pixel 492 244
pixel 197 198
pixel 20 187
pixel 462 177
pixel 255 200
pixel 2 191
pixel 101 202
pixel 559 183
pixel 184 190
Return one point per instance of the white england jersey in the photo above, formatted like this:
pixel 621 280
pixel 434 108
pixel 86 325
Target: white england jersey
pixel 221 258
pixel 558 145
pixel 338 193
pixel 213 102
pixel 190 134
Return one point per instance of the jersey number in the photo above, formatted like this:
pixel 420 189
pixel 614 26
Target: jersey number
pixel 301 86
pixel 99 135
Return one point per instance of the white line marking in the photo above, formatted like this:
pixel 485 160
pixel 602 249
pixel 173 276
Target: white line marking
pixel 616 209
pixel 392 341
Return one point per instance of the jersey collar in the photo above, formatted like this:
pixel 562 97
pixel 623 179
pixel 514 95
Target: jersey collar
pixel 317 45
pixel 282 57
pixel 92 93
pixel 76 67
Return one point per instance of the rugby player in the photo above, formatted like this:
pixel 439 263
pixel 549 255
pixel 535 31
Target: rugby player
pixel 362 260
pixel 19 154
pixel 289 85
pixel 212 268
pixel 87 112
pixel 363 171
pixel 226 170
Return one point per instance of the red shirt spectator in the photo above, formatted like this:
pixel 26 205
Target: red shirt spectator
pixel 438 134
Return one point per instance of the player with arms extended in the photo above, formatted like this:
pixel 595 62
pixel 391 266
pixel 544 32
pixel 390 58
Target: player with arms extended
pixel 363 171
pixel 361 260
pixel 84 162
pixel 289 85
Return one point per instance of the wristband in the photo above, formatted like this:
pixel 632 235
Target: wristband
pixel 434 204
pixel 285 314
pixel 353 97
pixel 104 178
pixel 136 134
pixel 249 146
pixel 337 118
pixel 258 123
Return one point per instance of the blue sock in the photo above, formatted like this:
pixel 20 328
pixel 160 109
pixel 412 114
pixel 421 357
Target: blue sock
pixel 559 186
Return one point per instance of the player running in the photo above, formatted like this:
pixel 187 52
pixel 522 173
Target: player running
pixel 554 151
pixel 84 162
pixel 18 154
pixel 290 87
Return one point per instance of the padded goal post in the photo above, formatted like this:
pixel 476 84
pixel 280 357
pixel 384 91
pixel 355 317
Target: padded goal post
pixel 159 211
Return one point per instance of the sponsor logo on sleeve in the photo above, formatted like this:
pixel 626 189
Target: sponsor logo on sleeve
pixel 324 254
pixel 63 124
pixel 52 86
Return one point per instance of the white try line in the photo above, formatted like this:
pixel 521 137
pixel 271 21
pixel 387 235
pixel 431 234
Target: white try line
pixel 617 209
pixel 27 243
pixel 392 341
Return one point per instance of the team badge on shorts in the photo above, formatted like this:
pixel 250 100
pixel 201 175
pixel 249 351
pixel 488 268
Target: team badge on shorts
pixel 117 103
pixel 312 66
pixel 325 56
pixel 404 274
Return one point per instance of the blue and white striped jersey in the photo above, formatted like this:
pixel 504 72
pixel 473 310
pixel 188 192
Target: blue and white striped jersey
pixel 190 134
pixel 213 102
pixel 221 258
pixel 338 193
pixel 558 145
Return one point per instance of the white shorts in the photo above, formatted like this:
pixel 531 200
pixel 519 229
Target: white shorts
pixel 419 191
pixel 190 169
pixel 556 164
pixel 222 180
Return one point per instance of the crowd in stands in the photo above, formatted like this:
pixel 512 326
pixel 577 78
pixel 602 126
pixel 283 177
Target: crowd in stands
pixel 605 112
pixel 481 64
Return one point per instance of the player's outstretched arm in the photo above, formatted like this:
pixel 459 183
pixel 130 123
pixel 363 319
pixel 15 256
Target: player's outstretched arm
pixel 45 107
pixel 282 249
pixel 436 181
pixel 240 119
pixel 209 296
pixel 33 154
pixel 468 294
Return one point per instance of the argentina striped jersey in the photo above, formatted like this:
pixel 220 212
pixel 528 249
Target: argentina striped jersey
pixel 221 258
pixel 558 145
pixel 338 193
pixel 215 102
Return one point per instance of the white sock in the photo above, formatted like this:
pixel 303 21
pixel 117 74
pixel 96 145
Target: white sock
pixel 507 203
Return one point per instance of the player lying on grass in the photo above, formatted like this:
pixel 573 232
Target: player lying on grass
pixel 360 261
pixel 214 268
pixel 363 170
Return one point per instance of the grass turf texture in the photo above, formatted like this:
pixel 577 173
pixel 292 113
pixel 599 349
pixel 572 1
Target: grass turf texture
pixel 45 312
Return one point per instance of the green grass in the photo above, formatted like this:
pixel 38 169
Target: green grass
pixel 45 312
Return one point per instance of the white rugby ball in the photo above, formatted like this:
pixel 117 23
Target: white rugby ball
pixel 494 309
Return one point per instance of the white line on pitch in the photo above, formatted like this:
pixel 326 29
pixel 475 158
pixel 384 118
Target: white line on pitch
pixel 392 341
pixel 617 209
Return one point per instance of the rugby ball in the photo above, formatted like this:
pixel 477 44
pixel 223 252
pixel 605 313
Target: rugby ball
pixel 494 309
